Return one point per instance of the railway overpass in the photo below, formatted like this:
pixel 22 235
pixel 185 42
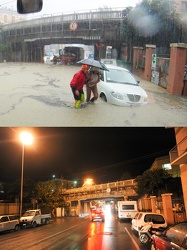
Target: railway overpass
pixel 25 40
pixel 80 198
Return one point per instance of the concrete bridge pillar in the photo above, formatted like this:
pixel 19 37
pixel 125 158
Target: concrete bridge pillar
pixel 150 49
pixel 102 50
pixel 167 207
pixel 79 209
pixel 176 68
pixel 86 207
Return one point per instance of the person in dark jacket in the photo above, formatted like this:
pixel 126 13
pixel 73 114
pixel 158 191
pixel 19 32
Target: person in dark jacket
pixel 77 84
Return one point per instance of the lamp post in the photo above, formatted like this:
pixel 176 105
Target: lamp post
pixel 26 139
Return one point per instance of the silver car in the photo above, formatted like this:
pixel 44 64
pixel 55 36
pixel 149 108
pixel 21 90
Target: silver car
pixel 118 86
pixel 9 222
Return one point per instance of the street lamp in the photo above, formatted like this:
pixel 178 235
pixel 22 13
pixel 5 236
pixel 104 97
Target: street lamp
pixel 26 138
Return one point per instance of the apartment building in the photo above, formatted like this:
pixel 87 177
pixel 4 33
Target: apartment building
pixel 10 16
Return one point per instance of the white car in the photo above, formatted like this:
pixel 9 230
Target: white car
pixel 141 218
pixel 9 222
pixel 118 86
pixel 109 61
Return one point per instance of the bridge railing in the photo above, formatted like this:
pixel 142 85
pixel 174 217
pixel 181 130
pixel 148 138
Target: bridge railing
pixel 118 185
pixel 98 195
pixel 47 19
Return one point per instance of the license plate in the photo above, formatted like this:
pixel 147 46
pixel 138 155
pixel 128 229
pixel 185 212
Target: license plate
pixel 128 215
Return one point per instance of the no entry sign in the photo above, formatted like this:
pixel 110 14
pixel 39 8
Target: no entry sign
pixel 73 25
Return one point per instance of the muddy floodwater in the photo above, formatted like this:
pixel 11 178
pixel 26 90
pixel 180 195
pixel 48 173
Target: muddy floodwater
pixel 40 95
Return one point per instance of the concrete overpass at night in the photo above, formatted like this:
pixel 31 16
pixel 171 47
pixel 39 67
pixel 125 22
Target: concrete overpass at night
pixel 81 197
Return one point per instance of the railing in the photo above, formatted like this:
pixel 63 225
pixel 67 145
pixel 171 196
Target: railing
pixel 99 195
pixel 111 185
pixel 178 150
pixel 60 18
pixel 112 189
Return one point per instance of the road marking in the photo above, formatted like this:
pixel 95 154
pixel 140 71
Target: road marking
pixel 52 235
pixel 133 240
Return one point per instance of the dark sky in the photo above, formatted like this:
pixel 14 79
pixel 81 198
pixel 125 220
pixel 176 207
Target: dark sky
pixel 103 154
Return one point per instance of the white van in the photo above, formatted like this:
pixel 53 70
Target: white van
pixel 127 209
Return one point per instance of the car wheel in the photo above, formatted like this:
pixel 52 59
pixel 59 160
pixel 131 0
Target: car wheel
pixel 103 97
pixel 34 224
pixel 46 221
pixel 144 238
pixel 16 228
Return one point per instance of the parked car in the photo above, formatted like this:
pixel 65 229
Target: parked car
pixel 175 237
pixel 97 214
pixel 48 57
pixel 9 222
pixel 119 87
pixel 109 61
pixel 141 218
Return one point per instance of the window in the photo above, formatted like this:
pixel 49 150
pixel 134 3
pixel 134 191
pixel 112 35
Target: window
pixel 12 217
pixel 4 219
pixel 5 19
pixel 156 219
pixel 127 207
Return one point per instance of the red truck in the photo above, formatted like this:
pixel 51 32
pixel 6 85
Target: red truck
pixel 68 56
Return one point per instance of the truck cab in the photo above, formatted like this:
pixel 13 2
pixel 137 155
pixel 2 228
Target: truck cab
pixel 34 218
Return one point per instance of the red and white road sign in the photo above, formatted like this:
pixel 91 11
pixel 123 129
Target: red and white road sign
pixel 73 25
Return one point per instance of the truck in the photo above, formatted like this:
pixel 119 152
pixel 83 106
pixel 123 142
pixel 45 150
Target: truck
pixel 33 218
pixel 127 209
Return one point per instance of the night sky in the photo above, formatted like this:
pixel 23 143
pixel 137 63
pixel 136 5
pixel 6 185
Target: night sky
pixel 103 154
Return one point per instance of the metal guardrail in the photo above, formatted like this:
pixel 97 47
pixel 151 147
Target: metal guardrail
pixel 178 150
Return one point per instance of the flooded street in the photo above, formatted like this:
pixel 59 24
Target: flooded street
pixel 40 95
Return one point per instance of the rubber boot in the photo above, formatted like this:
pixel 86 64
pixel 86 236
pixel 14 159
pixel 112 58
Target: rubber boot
pixel 77 104
pixel 82 98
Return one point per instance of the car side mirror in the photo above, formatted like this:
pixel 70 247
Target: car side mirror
pixel 29 6
pixel 138 82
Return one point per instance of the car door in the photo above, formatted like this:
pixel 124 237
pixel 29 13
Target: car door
pixel 13 221
pixel 5 223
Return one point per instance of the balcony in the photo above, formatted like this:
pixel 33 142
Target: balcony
pixel 178 154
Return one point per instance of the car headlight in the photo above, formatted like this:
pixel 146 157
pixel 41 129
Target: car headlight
pixel 117 95
pixel 145 98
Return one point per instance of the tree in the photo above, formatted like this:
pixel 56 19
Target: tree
pixel 12 190
pixel 152 182
pixel 50 193
pixel 151 22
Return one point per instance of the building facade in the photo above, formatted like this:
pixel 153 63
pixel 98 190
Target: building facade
pixel 10 16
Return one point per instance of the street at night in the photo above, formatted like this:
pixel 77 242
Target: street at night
pixel 75 233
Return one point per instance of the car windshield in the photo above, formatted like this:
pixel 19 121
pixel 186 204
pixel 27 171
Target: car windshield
pixel 28 213
pixel 120 76
pixel 47 53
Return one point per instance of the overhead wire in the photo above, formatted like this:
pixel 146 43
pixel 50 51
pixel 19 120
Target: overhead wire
pixel 124 162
